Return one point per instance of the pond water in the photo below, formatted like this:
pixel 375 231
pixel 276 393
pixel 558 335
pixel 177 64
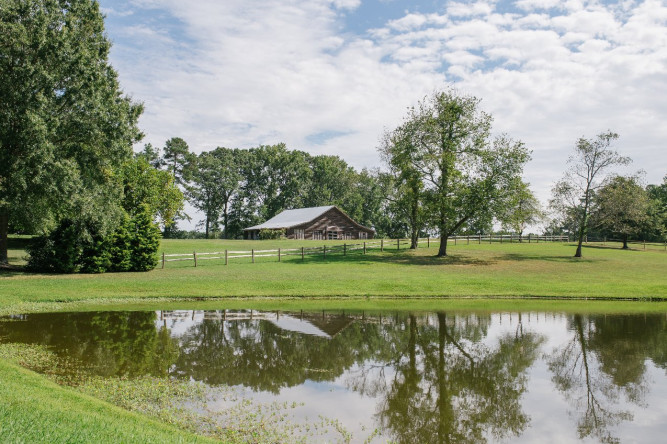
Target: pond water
pixel 399 377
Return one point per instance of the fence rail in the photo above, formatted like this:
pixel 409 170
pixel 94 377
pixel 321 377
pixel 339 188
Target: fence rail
pixel 376 244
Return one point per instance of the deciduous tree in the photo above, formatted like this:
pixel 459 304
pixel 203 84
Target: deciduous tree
pixel 523 209
pixel 587 167
pixel 621 206
pixel 65 125
pixel 467 176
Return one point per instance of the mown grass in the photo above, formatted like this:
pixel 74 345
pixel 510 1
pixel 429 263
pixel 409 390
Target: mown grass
pixel 545 277
pixel 478 271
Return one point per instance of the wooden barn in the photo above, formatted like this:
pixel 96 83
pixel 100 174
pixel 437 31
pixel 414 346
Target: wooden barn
pixel 317 223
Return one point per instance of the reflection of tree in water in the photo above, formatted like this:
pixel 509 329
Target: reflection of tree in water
pixel 107 344
pixel 260 355
pixel 448 387
pixel 605 358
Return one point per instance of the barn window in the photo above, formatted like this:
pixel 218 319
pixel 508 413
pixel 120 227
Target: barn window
pixel 317 235
pixel 299 234
pixel 333 235
pixel 363 235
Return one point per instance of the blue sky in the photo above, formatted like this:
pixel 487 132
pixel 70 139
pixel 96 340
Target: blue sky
pixel 329 76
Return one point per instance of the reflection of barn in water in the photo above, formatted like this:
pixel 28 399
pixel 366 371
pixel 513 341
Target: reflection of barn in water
pixel 322 324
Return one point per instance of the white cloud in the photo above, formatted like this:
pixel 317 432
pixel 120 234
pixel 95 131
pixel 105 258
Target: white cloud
pixel 240 74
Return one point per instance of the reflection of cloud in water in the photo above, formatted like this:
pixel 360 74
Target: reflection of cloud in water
pixel 331 400
pixel 290 323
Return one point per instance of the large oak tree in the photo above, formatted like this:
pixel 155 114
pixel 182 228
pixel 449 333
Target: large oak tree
pixel 65 125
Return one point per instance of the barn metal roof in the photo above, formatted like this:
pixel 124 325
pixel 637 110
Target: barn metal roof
pixel 290 218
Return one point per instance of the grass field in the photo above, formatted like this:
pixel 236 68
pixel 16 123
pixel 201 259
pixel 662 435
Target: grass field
pixel 544 277
pixel 471 270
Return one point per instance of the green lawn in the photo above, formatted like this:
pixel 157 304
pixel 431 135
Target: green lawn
pixel 473 277
pixel 487 271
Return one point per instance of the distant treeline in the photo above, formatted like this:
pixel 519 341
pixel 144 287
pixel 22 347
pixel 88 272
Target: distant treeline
pixel 237 188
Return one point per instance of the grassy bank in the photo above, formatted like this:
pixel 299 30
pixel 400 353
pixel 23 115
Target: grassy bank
pixel 36 410
pixel 478 271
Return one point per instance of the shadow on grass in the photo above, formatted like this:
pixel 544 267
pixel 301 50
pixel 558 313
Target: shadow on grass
pixel 535 257
pixel 394 257
pixel 12 270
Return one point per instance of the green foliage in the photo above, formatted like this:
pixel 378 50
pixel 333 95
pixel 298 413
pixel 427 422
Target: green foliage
pixel 268 234
pixel 145 184
pixel 573 194
pixel 144 241
pixel 656 228
pixel 522 209
pixel 65 126
pixel 119 247
pixel 621 206
pixel 60 251
pixel 238 188
pixel 450 175
pixel 81 246
pixel 176 158
pixel 214 180
pixel 95 255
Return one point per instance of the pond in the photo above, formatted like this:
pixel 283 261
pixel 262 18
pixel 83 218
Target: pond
pixel 388 377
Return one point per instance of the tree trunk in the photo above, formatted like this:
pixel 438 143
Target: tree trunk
pixel 625 242
pixel 580 241
pixel 414 239
pixel 226 219
pixel 4 230
pixel 442 251
pixel 207 223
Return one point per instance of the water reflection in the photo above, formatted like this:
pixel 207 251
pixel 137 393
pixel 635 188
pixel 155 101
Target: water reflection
pixel 434 377
pixel 604 361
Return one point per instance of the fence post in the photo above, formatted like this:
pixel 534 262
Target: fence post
pixel 324 248
pixel 194 255
pixel 345 249
pixel 364 247
pixel 163 260
pixel 381 245
pixel 454 240
pixel 398 244
pixel 278 254
pixel 226 257
pixel 528 237
pixel 252 253
pixel 428 242
pixel 644 244
pixel 302 253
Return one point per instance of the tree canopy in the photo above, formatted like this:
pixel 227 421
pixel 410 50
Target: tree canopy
pixel 65 125
pixel 445 146
pixel 573 194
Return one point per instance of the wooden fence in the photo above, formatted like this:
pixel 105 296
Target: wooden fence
pixel 344 249
pixel 638 244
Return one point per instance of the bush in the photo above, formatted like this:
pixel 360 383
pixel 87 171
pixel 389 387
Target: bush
pixel 59 252
pixel 95 257
pixel 268 234
pixel 144 242
pixel 80 246
pixel 120 254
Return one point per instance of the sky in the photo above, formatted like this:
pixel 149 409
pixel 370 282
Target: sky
pixel 331 76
